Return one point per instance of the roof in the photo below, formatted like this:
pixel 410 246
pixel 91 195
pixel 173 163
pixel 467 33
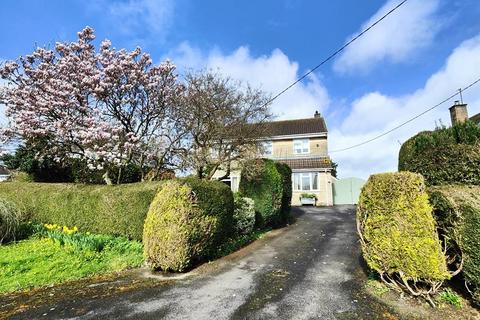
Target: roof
pixel 4 171
pixel 319 163
pixel 476 118
pixel 298 126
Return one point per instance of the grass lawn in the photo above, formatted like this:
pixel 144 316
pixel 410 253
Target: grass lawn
pixel 41 261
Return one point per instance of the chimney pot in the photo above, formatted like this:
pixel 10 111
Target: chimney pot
pixel 317 114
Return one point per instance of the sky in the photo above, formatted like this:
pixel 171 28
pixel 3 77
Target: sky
pixel 419 55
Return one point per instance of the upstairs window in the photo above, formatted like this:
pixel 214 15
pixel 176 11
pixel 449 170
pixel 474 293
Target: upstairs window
pixel 267 148
pixel 301 146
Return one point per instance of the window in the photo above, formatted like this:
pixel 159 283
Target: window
pixel 301 146
pixel 305 181
pixel 267 147
pixel 234 184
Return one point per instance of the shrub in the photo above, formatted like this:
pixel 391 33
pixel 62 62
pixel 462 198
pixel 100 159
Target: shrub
pixel 10 220
pixel 457 210
pixel 262 181
pixel 115 210
pixel 397 231
pixel 244 214
pixel 186 222
pixel 444 156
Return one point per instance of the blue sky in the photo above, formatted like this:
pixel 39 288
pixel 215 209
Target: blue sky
pixel 406 64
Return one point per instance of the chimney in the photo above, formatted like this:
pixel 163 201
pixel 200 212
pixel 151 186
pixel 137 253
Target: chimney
pixel 458 113
pixel 317 115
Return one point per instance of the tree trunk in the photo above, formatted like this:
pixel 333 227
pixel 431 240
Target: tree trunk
pixel 119 177
pixel 200 173
pixel 106 178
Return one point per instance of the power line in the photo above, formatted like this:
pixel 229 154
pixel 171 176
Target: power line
pixel 330 57
pixel 409 120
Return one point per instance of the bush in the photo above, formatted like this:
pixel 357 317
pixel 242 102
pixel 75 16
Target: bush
pixel 186 222
pixel 10 220
pixel 244 214
pixel 457 210
pixel 262 181
pixel 398 232
pixel 444 156
pixel 115 210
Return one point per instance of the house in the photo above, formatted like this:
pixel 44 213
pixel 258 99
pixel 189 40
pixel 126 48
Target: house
pixel 459 114
pixel 4 174
pixel 303 145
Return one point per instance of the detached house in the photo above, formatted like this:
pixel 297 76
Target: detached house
pixel 303 145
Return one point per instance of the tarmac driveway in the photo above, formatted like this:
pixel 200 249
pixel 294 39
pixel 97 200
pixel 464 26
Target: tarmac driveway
pixel 309 270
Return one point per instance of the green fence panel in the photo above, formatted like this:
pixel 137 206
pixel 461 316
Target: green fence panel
pixel 347 191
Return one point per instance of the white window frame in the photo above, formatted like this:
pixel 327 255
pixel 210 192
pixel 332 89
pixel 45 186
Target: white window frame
pixel 302 175
pixel 304 146
pixel 267 148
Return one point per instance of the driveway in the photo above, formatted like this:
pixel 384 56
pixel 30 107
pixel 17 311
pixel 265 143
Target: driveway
pixel 309 270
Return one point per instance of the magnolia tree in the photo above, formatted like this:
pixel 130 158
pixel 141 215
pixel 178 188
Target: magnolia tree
pixel 224 121
pixel 108 107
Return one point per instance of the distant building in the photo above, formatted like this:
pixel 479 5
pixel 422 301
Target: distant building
pixel 302 144
pixel 4 174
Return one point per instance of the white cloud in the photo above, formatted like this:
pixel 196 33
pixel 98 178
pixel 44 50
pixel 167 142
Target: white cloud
pixel 270 73
pixel 374 113
pixel 412 27
pixel 151 17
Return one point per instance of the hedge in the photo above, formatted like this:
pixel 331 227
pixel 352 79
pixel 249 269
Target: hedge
pixel 286 173
pixel 186 223
pixel 265 183
pixel 116 210
pixel 444 156
pixel 397 228
pixel 457 210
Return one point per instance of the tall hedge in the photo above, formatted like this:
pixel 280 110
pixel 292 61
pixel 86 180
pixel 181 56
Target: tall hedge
pixel 265 182
pixel 286 173
pixel 115 210
pixel 397 228
pixel 186 222
pixel 457 210
pixel 444 156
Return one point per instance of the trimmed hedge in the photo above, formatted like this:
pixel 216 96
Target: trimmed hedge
pixel 186 222
pixel 265 181
pixel 444 156
pixel 397 228
pixel 116 210
pixel 286 173
pixel 457 209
